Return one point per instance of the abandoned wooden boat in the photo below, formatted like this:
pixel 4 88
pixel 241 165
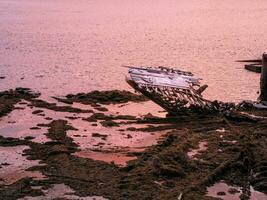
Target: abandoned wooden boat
pixel 172 89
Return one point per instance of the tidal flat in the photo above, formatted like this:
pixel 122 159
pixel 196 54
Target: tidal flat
pixel 97 146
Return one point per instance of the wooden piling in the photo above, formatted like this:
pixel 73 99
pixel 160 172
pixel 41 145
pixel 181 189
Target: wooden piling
pixel 263 80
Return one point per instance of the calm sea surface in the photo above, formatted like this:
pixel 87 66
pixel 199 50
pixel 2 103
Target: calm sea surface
pixel 67 46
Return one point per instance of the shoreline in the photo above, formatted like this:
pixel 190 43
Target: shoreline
pixel 235 146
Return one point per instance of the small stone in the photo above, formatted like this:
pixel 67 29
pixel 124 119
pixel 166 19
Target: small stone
pixel 5 164
pixel 48 118
pixel 131 129
pixel 233 191
pixel 29 138
pixel 72 117
pixel 77 135
pixel 35 128
pixel 37 112
pixel 109 123
pixel 221 193
pixel 103 137
pixel 103 109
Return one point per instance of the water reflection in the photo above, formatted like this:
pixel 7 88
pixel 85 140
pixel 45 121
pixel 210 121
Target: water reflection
pixel 13 165
pixel 67 47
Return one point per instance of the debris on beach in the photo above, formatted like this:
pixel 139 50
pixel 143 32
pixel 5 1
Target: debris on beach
pixel 176 90
pixel 172 89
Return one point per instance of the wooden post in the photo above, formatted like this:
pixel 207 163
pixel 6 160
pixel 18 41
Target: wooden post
pixel 263 81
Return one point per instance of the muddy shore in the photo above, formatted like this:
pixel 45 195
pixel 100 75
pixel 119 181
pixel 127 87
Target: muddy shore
pixel 196 151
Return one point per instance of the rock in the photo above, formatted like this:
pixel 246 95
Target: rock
pixel 48 118
pixel 35 128
pixel 102 136
pixel 76 135
pixel 103 109
pixel 29 138
pixel 37 112
pixel 131 129
pixel 98 116
pixel 5 164
pixel 233 191
pixel 72 117
pixel 149 116
pixel 221 193
pixel 109 123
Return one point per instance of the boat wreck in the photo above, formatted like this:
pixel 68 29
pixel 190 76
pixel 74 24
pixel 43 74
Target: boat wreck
pixel 174 90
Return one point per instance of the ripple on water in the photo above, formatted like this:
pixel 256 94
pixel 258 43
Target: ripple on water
pixel 112 144
pixel 19 124
pixel 59 51
pixel 23 123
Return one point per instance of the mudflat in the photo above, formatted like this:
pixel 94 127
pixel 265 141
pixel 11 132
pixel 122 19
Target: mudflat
pixel 194 150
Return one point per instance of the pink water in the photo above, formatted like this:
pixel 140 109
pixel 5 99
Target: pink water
pixel 59 47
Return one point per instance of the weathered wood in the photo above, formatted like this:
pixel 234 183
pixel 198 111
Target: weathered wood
pixel 254 67
pixel 263 80
pixel 251 61
pixel 171 89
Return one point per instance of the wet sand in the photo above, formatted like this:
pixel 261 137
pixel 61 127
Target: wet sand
pixel 88 146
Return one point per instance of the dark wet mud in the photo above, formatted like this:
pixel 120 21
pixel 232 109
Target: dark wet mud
pixel 196 152
pixel 103 97
pixel 9 98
